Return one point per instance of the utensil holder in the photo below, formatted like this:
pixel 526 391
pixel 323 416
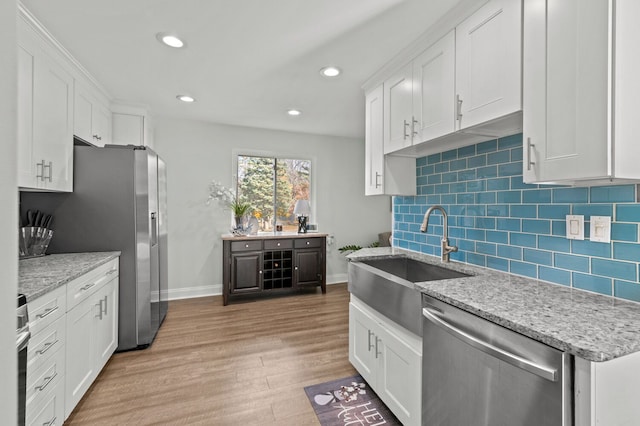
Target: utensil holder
pixel 33 241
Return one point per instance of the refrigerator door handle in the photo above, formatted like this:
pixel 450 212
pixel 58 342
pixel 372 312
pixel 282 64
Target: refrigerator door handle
pixel 154 229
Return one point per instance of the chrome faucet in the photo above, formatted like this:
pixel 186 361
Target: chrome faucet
pixel 446 248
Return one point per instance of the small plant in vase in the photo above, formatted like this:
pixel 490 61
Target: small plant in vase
pixel 225 196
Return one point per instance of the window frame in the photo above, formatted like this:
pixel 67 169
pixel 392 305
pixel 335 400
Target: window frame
pixel 283 155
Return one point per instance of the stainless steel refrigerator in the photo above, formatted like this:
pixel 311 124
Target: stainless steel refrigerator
pixel 119 202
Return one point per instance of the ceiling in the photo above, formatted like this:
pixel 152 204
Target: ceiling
pixel 246 61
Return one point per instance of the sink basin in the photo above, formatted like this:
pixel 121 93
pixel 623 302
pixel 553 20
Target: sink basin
pixel 413 270
pixel 387 286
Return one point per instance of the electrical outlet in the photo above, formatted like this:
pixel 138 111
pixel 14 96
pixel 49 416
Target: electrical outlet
pixel 600 229
pixel 575 227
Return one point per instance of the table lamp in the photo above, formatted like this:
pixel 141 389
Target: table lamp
pixel 302 209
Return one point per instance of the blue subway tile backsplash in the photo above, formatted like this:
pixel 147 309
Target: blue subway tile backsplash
pixel 500 222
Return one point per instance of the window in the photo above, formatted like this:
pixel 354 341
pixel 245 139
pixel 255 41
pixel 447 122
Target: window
pixel 272 186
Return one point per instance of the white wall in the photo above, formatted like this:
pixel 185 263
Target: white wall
pixel 8 214
pixel 198 152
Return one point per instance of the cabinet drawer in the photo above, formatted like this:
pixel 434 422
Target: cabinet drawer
pixel 49 410
pixel 246 245
pixel 84 286
pixel 308 242
pixel 46 309
pixel 42 381
pixel 44 344
pixel 278 244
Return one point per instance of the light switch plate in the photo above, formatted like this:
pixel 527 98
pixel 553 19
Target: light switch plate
pixel 575 227
pixel 600 229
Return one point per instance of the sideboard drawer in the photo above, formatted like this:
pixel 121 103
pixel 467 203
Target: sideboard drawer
pixel 278 244
pixel 309 242
pixel 46 309
pixel 246 245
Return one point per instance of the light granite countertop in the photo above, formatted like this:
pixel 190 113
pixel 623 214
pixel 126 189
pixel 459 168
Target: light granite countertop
pixel 40 275
pixel 591 326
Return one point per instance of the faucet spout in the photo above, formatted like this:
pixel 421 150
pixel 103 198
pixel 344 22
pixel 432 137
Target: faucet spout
pixel 446 248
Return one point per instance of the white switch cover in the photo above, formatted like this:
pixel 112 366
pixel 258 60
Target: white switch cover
pixel 600 229
pixel 575 227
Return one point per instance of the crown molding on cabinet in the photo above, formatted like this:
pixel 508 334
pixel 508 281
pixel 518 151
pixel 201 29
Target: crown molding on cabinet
pixel 434 33
pixel 77 67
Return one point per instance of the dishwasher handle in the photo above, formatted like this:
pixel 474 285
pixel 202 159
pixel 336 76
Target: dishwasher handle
pixel 550 374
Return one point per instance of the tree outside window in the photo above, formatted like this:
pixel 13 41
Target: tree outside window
pixel 272 186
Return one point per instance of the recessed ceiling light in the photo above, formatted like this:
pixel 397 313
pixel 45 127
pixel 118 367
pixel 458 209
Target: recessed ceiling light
pixel 330 71
pixel 170 40
pixel 185 98
pixel 294 112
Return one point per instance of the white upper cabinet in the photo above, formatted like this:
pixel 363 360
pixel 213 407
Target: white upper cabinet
pixel 489 63
pixel 45 117
pixel 131 126
pixel 433 89
pixel 398 110
pixel 92 117
pixel 419 99
pixel 384 174
pixel 580 90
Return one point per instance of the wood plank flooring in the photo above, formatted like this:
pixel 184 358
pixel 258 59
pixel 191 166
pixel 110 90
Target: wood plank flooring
pixel 242 364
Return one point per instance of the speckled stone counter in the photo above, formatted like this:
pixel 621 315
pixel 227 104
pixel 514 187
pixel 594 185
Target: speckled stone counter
pixel 41 275
pixel 273 235
pixel 592 326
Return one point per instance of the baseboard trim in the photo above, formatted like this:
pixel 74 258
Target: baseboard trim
pixel 216 289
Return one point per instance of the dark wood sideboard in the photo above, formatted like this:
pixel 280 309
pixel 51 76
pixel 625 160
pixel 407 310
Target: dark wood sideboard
pixel 273 264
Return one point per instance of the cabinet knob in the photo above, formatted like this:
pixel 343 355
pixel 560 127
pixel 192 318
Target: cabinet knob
pixel 278 244
pixel 260 272
pixel 246 245
pixel 308 242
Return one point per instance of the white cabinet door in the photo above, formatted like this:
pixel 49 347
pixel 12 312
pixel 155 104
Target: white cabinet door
pixel 82 114
pixel 374 143
pixel 128 129
pixel 489 63
pixel 362 344
pixel 107 324
pixel 434 90
pixel 566 90
pixel 398 119
pixel 53 124
pixel 81 344
pixel 400 377
pixel 92 119
pixel 26 162
pixel 101 124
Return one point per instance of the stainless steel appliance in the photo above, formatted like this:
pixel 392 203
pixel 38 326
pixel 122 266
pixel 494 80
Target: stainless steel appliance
pixel 478 373
pixel 119 202
pixel 22 341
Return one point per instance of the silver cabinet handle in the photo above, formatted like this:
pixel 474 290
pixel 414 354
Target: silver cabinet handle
pixel 377 341
pixel 99 305
pixel 105 305
pixel 414 132
pixel 260 272
pixel 87 287
pixel 308 242
pixel 50 166
pixel 50 422
pixel 550 374
pixel 46 382
pixel 96 137
pixel 405 135
pixel 378 175
pixel 46 347
pixel 529 146
pixel 278 244
pixel 458 108
pixel 40 174
pixel 369 345
pixel 47 312
pixel 113 271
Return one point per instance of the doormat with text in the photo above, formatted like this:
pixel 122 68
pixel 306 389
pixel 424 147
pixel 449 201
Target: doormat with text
pixel 349 401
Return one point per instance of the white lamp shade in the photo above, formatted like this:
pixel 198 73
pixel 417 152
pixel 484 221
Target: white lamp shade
pixel 302 208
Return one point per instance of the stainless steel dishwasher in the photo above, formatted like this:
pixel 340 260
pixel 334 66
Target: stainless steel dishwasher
pixel 477 373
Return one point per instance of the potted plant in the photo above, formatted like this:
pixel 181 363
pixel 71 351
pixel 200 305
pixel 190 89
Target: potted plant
pixel 239 210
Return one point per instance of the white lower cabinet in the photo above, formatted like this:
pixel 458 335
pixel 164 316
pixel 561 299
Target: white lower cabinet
pixel 389 358
pixel 92 334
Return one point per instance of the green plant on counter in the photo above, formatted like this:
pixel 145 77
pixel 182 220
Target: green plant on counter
pixel 354 247
pixel 238 208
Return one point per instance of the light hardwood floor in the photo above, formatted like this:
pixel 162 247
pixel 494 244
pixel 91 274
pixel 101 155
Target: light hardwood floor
pixel 242 364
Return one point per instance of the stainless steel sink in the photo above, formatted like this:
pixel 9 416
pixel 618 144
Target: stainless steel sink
pixel 387 286
pixel 413 270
